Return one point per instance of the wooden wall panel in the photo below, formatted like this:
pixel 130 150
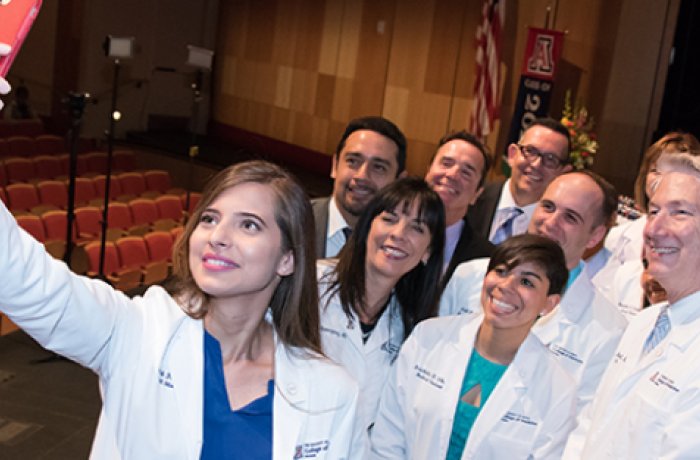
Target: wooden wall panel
pixel 335 130
pixel 227 85
pixel 280 126
pixel 310 16
pixel 285 28
pixel 298 70
pixel 259 118
pixel 418 155
pixel 303 95
pixel 261 31
pixel 331 37
pixel 342 99
pixel 445 46
pixel 464 85
pixel 302 129
pixel 283 87
pixel 396 104
pixel 244 79
pixel 319 133
pixel 374 41
pixel 232 28
pixel 325 90
pixel 367 98
pixel 427 120
pixel 349 38
pixel 409 51
pixel 459 113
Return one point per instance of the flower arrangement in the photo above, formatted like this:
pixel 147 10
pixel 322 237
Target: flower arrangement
pixel 584 145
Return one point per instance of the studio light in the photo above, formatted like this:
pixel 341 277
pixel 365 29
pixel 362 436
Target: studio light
pixel 199 57
pixel 118 47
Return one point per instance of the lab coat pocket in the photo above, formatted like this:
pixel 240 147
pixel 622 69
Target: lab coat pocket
pixel 646 429
pixel 498 445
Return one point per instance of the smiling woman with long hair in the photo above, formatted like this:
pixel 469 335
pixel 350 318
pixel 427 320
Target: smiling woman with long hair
pixel 231 365
pixel 386 280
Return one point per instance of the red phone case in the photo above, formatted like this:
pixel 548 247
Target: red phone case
pixel 16 18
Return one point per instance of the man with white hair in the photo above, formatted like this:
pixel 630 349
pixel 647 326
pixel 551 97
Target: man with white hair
pixel 648 403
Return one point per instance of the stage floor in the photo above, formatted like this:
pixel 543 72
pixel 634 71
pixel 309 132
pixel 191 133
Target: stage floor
pixel 217 154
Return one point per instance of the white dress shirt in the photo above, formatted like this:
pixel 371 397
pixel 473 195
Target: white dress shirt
pixel 335 238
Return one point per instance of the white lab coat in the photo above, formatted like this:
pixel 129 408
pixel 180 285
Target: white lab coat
pixel 647 407
pixel 462 295
pixel 625 241
pixel 369 364
pixel 528 415
pixel 582 332
pixel 620 278
pixel 149 356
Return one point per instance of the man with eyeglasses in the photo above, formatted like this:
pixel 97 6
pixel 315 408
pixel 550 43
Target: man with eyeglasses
pixel 505 208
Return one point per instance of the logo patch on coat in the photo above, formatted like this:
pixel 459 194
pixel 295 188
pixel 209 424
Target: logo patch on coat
pixel 311 449
pixel 165 378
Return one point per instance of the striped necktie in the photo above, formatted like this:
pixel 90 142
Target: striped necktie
pixel 660 331
pixel 505 230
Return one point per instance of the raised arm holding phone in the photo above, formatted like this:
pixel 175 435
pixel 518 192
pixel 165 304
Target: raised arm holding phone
pixel 4 85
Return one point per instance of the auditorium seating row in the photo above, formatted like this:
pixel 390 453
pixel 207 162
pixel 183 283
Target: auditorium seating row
pixel 18 169
pixel 31 128
pixel 53 194
pixel 25 199
pixel 129 261
pixel 133 261
pixel 26 146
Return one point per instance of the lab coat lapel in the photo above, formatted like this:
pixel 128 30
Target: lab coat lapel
pixel 184 360
pixel 509 390
pixel 456 365
pixel 573 307
pixel 290 403
pixel 628 363
pixel 576 301
pixel 388 332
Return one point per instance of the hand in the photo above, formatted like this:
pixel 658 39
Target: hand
pixel 4 85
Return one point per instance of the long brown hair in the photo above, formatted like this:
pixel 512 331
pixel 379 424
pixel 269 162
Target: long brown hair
pixel 294 304
pixel 418 291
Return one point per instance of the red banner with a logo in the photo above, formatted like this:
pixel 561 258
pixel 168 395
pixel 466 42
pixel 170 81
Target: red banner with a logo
pixel 542 54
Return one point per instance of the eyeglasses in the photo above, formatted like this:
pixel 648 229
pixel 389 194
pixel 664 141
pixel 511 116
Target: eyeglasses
pixel 549 160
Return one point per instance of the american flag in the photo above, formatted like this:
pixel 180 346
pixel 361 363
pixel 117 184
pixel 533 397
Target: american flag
pixel 488 53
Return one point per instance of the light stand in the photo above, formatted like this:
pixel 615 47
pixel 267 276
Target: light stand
pixel 76 104
pixel 117 48
pixel 200 58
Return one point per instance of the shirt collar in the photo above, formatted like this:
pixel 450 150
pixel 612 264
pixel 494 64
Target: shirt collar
pixel 507 201
pixel 336 222
pixel 685 311
pixel 452 235
pixel 574 273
